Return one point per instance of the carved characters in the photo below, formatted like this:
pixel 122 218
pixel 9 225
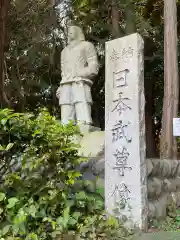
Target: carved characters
pixel 121 193
pixel 121 157
pixel 120 78
pixel 118 132
pixel 120 104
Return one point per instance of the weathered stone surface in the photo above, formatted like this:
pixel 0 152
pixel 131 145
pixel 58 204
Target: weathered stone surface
pixel 154 187
pixel 174 167
pixel 92 144
pixel 164 168
pixel 157 209
pixel 151 210
pixel 157 187
pixel 156 167
pixel 177 180
pixel 170 185
pixel 125 165
pixel 149 166
pixel 98 168
pixel 178 169
pixel 174 198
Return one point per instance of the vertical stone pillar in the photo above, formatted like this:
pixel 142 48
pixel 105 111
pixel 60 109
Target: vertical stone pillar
pixel 125 166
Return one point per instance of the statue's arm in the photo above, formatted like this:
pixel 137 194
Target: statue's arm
pixel 62 66
pixel 92 67
pixel 62 74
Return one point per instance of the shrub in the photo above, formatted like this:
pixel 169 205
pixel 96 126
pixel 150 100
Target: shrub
pixel 42 195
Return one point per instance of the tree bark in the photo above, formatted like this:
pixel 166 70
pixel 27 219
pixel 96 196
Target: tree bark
pixel 149 120
pixel 168 148
pixel 115 17
pixel 3 18
pixel 130 17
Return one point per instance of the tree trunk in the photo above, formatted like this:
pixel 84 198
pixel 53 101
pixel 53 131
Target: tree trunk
pixel 150 128
pixel 3 18
pixel 115 17
pixel 168 148
pixel 130 17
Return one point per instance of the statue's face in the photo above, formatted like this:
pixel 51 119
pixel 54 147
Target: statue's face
pixel 72 34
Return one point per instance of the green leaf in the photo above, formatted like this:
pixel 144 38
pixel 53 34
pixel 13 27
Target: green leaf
pixel 81 196
pixel 1 148
pixel 76 215
pixel 5 230
pixel 59 220
pixel 72 221
pixel 32 236
pixel 12 202
pixel 3 121
pixel 9 146
pixel 1 210
pixel 15 229
pixel 41 213
pixel 53 224
pixel 32 210
pixel 2 196
pixel 83 3
pixel 66 215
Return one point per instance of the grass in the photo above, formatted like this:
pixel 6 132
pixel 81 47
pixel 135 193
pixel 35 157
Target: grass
pixel 171 223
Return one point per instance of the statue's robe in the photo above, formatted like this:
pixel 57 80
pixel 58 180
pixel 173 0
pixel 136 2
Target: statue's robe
pixel 78 65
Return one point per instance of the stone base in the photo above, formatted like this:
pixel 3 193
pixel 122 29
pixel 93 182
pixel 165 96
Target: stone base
pixel 85 128
pixel 92 144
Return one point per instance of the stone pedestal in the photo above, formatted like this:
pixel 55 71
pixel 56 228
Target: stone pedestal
pixel 85 128
pixel 125 168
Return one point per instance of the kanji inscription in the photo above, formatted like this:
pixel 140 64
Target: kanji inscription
pixel 120 78
pixel 119 132
pixel 127 53
pixel 121 161
pixel 121 193
pixel 120 104
pixel 114 56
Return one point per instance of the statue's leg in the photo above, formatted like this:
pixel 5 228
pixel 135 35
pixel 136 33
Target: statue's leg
pixel 82 100
pixel 83 113
pixel 67 113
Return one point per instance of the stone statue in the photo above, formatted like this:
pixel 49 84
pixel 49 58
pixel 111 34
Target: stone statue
pixel 78 67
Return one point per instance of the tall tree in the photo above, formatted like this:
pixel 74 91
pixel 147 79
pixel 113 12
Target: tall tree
pixel 3 17
pixel 130 17
pixel 115 16
pixel 171 82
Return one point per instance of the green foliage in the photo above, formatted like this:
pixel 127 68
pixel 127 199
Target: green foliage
pixel 171 223
pixel 41 193
pixel 38 197
pixel 32 54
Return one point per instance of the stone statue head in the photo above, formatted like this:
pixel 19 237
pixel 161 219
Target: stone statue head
pixel 75 33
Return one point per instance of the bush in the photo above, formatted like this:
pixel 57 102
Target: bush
pixel 42 195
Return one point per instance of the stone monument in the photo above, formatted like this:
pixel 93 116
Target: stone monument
pixel 79 65
pixel 125 166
